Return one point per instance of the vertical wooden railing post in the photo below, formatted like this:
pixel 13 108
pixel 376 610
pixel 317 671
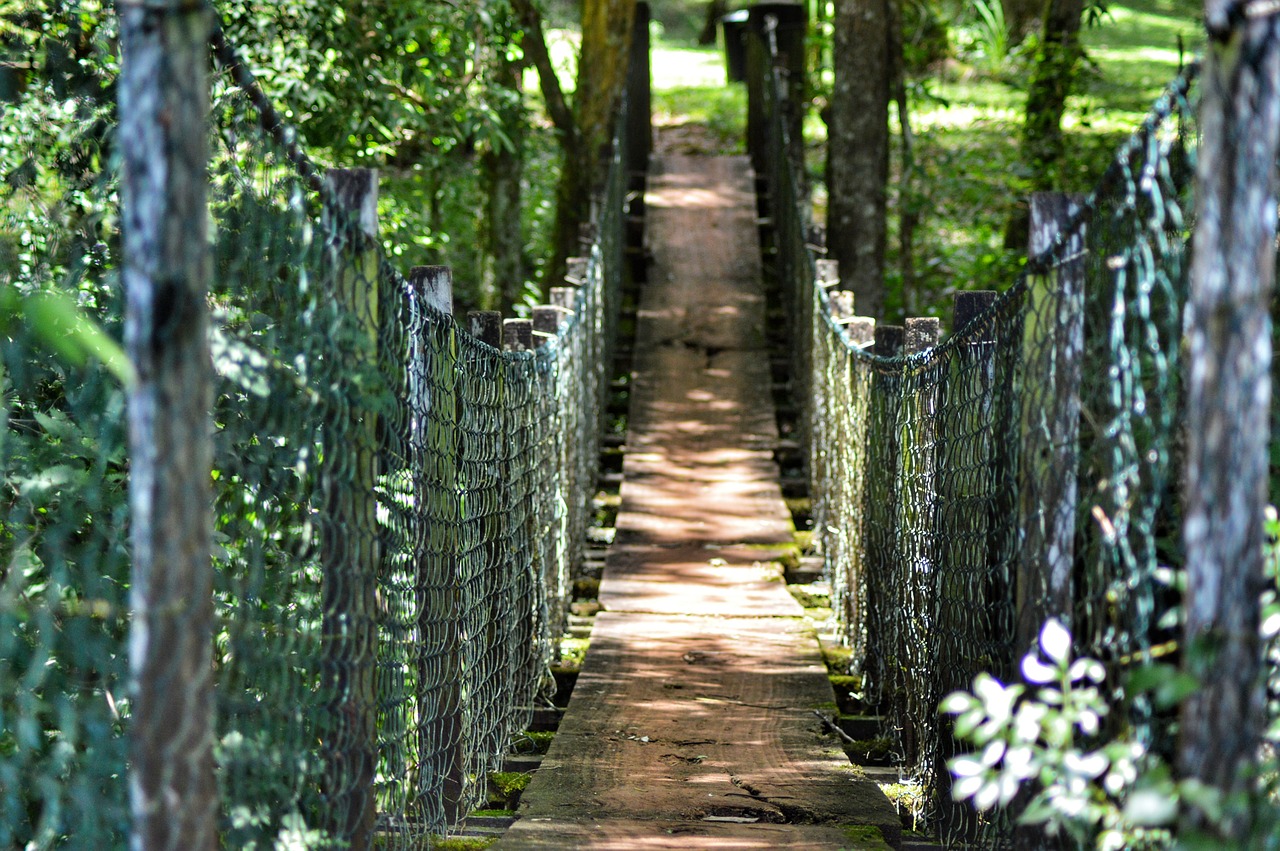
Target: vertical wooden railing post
pixel 486 326
pixel 915 508
pixel 349 549
pixel 881 490
pixel 547 319
pixel 860 332
pixel 1053 356
pixel 961 543
pixel 164 104
pixel 500 582
pixel 564 297
pixel 442 724
pixel 639 96
pixel 517 335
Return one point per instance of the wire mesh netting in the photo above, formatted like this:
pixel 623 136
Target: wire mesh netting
pixel 1024 468
pixel 399 512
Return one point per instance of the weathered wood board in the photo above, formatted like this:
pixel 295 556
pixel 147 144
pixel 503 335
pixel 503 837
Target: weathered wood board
pixel 691 724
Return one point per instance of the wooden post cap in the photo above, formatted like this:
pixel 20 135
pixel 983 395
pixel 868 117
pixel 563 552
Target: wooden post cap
pixel 548 318
pixel 576 271
pixel 922 333
pixel 517 335
pixel 435 285
pixel 967 306
pixel 827 273
pixel 861 330
pixel 564 297
pixel 888 341
pixel 486 326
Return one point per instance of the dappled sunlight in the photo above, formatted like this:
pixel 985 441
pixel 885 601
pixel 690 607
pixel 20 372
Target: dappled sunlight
pixel 675 193
pixel 675 67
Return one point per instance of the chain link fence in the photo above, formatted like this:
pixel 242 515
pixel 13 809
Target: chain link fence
pixel 1025 468
pixel 399 510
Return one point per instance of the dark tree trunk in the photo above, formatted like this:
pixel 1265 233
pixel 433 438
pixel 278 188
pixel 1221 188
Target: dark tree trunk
pixel 715 11
pixel 858 153
pixel 164 106
pixel 1228 397
pixel 503 168
pixel 1021 18
pixel 602 74
pixel 1051 82
pixel 602 70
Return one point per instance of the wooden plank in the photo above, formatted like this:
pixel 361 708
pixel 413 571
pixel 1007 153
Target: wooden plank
pixel 696 698
pixel 677 718
pixel 698 580
pixel 624 834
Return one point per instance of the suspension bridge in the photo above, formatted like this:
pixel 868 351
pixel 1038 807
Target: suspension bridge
pixel 403 530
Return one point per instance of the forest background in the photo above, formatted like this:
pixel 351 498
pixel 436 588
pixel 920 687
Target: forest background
pixel 446 101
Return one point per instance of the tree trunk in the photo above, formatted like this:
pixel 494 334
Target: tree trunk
pixel 1021 18
pixel 858 149
pixel 715 11
pixel 164 106
pixel 602 74
pixel 1228 397
pixel 1051 82
pixel 503 168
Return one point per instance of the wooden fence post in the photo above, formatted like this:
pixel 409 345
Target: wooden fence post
pixel 442 727
pixel 547 320
pixel 1228 400
pixel 880 515
pixel 1053 355
pixel 639 98
pixel 915 509
pixel 517 335
pixel 164 103
pixel 564 297
pixel 349 549
pixel 486 326
pixel 860 332
pixel 962 542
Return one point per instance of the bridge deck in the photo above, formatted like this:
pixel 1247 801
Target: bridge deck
pixel 691 724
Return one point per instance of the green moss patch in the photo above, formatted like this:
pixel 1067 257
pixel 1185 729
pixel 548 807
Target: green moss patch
pixel 864 837
pixel 462 843
pixel 531 742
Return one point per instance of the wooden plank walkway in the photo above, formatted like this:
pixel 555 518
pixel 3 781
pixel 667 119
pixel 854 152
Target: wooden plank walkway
pixel 691 725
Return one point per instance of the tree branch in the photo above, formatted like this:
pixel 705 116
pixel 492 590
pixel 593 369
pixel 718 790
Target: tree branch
pixel 535 48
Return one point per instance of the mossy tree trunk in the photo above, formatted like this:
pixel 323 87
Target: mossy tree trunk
pixel 858 149
pixel 502 165
pixel 1051 82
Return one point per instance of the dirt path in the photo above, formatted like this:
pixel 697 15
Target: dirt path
pixel 691 724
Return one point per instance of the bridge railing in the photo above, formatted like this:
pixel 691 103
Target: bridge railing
pixel 966 491
pixel 400 508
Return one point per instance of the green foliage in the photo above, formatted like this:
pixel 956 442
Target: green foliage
pixel 983 36
pixel 63 502
pixel 1048 735
pixel 416 90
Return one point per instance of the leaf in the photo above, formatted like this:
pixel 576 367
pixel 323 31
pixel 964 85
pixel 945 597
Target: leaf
pixel 1177 688
pixel 1035 671
pixel 1150 808
pixel 1087 669
pixel 73 335
pixel 52 480
pixel 956 703
pixel 1055 641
